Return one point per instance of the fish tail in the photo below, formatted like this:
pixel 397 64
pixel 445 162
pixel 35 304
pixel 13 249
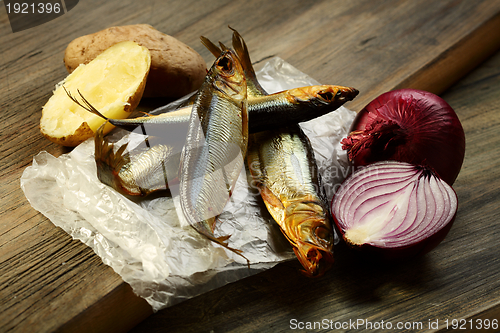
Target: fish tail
pixel 223 47
pixel 108 162
pixel 241 49
pixel 105 153
pixel 85 104
pixel 207 231
pixel 214 49
pixel 223 242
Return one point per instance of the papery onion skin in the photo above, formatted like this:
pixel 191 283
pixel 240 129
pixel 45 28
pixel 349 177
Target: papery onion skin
pixel 402 251
pixel 408 125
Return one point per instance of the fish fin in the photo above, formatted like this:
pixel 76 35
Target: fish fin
pixel 221 240
pixel 214 49
pixel 109 163
pixel 104 150
pixel 89 107
pixel 241 49
pixel 270 198
pixel 224 239
pixel 206 228
pixel 102 147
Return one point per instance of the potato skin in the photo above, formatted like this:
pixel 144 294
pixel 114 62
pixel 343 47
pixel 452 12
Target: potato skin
pixel 81 134
pixel 176 69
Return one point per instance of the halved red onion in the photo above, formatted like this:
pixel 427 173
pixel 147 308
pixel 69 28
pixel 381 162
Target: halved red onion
pixel 408 125
pixel 396 208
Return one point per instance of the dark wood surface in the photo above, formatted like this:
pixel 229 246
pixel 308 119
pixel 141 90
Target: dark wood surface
pixel 52 282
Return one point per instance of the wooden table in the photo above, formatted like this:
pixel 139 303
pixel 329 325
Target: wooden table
pixel 54 283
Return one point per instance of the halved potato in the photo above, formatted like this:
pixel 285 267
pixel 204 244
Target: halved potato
pixel 113 83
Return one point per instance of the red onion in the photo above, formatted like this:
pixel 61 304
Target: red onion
pixel 395 208
pixel 411 126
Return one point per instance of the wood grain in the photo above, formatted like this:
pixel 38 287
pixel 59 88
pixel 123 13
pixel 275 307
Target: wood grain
pixel 55 283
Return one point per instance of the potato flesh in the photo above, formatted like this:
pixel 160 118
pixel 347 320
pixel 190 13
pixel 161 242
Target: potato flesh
pixel 108 82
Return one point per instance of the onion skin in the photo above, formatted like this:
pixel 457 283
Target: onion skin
pixel 408 125
pixel 364 194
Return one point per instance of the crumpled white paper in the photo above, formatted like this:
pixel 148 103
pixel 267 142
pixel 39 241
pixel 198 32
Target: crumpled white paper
pixel 164 260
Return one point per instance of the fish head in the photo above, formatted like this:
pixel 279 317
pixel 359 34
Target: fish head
pixel 228 76
pixel 316 257
pixel 241 50
pixel 313 237
pixel 322 95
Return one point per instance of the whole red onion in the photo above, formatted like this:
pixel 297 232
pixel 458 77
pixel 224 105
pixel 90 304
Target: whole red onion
pixel 394 209
pixel 411 126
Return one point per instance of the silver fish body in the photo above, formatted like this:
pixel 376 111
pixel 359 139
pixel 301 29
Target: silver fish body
pixel 213 155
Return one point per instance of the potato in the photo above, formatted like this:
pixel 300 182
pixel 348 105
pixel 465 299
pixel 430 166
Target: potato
pixel 113 83
pixel 176 69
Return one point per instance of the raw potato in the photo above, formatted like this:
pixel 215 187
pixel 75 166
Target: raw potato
pixel 113 83
pixel 176 69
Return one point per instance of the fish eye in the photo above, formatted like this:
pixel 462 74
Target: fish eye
pixel 225 63
pixel 326 95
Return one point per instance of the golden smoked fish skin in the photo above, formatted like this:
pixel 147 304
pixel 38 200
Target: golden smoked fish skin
pixel 284 170
pixel 296 105
pixel 213 155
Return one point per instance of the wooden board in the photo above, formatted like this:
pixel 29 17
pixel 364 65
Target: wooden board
pixel 56 283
